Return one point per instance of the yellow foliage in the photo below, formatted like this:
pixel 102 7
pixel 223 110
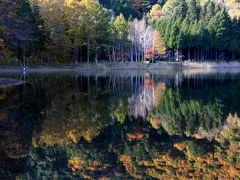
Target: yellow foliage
pixel 77 164
pixel 231 130
pixel 233 120
pixel 1 43
pixel 71 3
pixel 159 43
pixel 155 122
pixel 230 133
pixel 121 112
pixel 159 92
pixel 181 145
pixel 155 8
pixel 88 132
pixel 77 161
pixel 2 116
pixel 127 163
pixel 156 12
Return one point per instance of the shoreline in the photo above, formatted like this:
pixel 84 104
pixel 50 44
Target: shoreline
pixel 125 66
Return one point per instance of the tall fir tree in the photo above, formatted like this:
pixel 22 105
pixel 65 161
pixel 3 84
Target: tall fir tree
pixel 175 9
pixel 235 38
pixel 173 36
pixel 210 11
pixel 223 31
pixel 193 11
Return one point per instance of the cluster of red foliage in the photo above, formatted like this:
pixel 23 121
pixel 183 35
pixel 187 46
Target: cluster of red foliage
pixel 149 53
pixel 148 83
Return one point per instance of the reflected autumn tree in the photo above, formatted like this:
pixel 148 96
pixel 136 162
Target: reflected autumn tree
pixel 85 128
pixel 19 118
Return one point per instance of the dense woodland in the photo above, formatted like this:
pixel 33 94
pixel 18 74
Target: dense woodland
pixel 77 31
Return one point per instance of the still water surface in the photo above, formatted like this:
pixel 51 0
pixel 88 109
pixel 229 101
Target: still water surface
pixel 121 126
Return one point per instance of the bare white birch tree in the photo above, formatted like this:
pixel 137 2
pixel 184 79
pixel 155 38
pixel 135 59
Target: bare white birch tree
pixel 141 37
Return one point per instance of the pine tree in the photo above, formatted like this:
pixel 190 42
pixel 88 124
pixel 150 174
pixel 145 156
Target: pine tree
pixel 235 38
pixel 30 35
pixel 174 36
pixel 210 11
pixel 193 11
pixel 180 40
pixel 203 36
pixel 167 33
pixel 118 6
pixel 187 41
pixel 212 28
pixel 175 9
pixel 203 11
pixel 217 8
pixel 223 30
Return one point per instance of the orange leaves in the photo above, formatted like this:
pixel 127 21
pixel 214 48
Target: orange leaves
pixel 148 83
pixel 164 166
pixel 234 148
pixel 78 164
pixel 127 163
pixel 148 51
pixel 159 92
pixel 180 145
pixel 135 136
pixel 234 172
pixel 159 44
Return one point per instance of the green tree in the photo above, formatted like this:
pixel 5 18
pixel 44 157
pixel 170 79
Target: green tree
pixel 40 37
pixel 210 11
pixel 187 41
pixel 94 22
pixel 175 9
pixel 223 30
pixel 192 11
pixel 122 29
pixel 118 6
pixel 235 38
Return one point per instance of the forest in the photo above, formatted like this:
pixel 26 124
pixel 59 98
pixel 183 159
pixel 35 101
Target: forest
pixel 78 31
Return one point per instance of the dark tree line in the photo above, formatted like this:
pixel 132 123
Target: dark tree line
pixel 21 28
pixel 200 32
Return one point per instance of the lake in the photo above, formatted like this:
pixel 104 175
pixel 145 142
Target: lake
pixel 121 125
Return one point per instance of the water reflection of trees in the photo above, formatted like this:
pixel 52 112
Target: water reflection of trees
pixel 83 127
pixel 197 106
